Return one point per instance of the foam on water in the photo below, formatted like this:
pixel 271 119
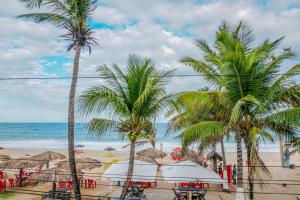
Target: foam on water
pixel 54 136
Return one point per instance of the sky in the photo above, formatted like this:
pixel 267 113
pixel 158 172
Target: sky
pixel 164 30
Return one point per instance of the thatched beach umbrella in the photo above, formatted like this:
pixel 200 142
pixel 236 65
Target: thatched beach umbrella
pixel 47 156
pixel 50 175
pixel 151 153
pixel 81 163
pixel 4 157
pixel 21 163
pixel 146 159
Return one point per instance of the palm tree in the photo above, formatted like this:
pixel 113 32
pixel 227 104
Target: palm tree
pixel 71 16
pixel 248 78
pixel 196 113
pixel 132 100
pixel 251 83
pixel 211 66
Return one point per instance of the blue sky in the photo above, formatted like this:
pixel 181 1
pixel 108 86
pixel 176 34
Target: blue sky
pixel 164 30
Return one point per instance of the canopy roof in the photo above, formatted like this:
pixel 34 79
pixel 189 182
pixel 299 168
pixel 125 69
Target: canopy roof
pixel 109 149
pixel 188 171
pixel 142 171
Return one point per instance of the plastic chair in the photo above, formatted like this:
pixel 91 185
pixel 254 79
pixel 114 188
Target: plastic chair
pixel 91 183
pixel 62 185
pixel 2 185
pixel 199 185
pixel 12 182
pixel 70 185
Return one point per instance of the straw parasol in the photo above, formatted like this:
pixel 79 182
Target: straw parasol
pixel 146 159
pixel 81 163
pixel 151 153
pixel 20 163
pixel 48 156
pixel 4 157
pixel 50 175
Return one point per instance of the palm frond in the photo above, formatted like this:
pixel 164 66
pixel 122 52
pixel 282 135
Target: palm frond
pixel 205 132
pixel 102 126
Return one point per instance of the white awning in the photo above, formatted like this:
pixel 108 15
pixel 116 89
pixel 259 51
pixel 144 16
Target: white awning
pixel 188 171
pixel 142 171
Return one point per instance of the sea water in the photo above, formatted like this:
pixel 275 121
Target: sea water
pixel 54 136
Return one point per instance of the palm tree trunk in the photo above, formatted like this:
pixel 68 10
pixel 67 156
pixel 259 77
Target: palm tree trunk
pixel 130 170
pixel 250 174
pixel 214 159
pixel 71 123
pixel 225 176
pixel 281 145
pixel 239 185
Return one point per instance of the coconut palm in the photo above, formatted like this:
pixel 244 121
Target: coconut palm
pixel 71 16
pixel 251 82
pixel 131 99
pixel 195 110
pixel 248 78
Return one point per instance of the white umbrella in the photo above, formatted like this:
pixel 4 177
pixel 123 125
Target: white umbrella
pixel 142 171
pixel 188 171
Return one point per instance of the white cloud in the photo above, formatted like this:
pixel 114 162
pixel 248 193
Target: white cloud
pixel 165 31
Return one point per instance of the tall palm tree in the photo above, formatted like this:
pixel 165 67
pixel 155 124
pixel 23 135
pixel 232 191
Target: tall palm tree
pixel 71 16
pixel 248 78
pixel 251 83
pixel 211 65
pixel 131 100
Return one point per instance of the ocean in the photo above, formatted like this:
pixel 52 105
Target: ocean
pixel 54 136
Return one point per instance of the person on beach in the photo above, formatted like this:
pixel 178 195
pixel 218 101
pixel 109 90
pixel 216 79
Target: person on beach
pixel 287 157
pixel 234 171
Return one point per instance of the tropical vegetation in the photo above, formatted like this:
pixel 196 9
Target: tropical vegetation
pixel 71 16
pixel 260 97
pixel 128 103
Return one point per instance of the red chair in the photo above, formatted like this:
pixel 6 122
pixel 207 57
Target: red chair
pixel 70 185
pixel 144 184
pixel 12 182
pixel 199 185
pixel 2 185
pixel 62 185
pixel 91 183
pixel 2 174
pixel 184 184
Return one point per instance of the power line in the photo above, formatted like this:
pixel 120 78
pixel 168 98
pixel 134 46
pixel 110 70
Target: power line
pixel 107 77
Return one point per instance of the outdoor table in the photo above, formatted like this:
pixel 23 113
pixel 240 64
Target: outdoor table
pixel 190 190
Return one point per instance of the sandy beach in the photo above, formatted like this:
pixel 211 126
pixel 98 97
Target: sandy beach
pixel 271 159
